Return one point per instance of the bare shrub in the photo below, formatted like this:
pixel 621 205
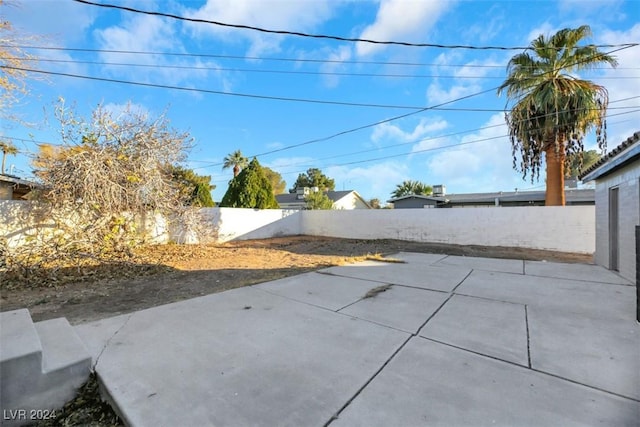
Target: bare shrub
pixel 100 188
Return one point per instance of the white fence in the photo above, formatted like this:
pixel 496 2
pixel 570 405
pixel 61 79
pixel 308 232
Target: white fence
pixel 565 229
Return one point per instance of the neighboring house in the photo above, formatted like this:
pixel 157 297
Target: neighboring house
pixel 14 188
pixel 617 177
pixel 502 198
pixel 348 199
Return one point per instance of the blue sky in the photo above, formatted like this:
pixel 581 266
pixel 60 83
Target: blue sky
pixel 465 149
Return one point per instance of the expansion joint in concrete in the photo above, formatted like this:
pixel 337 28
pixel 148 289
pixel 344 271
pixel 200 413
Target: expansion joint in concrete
pixel 526 321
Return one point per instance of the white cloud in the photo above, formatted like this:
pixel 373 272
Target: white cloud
pixel 484 164
pixel 342 53
pixel 58 22
pixel 401 20
pixel 152 34
pixel 436 94
pixel 371 181
pixel 468 77
pixel 392 132
pixel 275 14
pixel 622 126
pixel 546 29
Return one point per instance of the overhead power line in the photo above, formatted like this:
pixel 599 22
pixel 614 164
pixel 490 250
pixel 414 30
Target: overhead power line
pixel 316 36
pixel 277 59
pixel 271 71
pixel 217 92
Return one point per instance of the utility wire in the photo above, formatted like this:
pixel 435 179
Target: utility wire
pixel 216 92
pixel 426 150
pixel 262 58
pixel 315 36
pixel 270 71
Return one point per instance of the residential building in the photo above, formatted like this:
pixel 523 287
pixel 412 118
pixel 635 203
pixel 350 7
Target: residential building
pixel 14 188
pixel 574 197
pixel 349 199
pixel 617 177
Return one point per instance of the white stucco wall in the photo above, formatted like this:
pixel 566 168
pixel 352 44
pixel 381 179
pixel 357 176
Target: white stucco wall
pixel 566 229
pixel 244 224
pixel 627 180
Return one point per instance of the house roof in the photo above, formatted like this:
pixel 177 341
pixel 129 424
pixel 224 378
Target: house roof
pixel 334 196
pixel 572 196
pixel 622 155
pixel 20 186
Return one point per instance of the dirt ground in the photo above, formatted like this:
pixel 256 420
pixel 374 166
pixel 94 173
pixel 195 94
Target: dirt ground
pixel 177 272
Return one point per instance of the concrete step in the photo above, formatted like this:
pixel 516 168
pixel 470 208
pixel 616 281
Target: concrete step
pixel 42 366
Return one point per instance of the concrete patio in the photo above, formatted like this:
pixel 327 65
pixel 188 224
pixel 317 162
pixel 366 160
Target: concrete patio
pixel 453 341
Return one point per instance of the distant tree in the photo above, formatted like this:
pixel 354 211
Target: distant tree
pixel 313 178
pixel 250 189
pixel 236 161
pixel 375 203
pixel 317 200
pixel 7 148
pixel 277 183
pixel 196 188
pixel 579 161
pixel 411 187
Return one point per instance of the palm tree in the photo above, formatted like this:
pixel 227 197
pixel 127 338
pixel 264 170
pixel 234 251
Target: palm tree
pixel 553 109
pixel 237 161
pixel 7 148
pixel 411 187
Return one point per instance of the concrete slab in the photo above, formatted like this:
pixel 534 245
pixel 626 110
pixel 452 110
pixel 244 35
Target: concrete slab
pixel 440 278
pixel 242 357
pixel 587 272
pixel 398 307
pixel 589 298
pixel 436 385
pixel 488 264
pixel 601 352
pixel 320 289
pixel 415 257
pixel 497 329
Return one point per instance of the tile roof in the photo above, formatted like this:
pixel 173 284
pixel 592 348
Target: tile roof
pixel 613 153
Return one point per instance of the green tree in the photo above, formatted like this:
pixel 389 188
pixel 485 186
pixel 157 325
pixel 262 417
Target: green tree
pixel 411 187
pixel 7 148
pixel 553 109
pixel 196 188
pixel 317 200
pixel 250 189
pixel 236 161
pixel 277 183
pixel 313 178
pixel 577 162
pixel 375 203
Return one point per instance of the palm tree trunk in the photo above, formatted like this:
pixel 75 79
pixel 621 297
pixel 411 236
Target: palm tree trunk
pixel 236 170
pixel 555 175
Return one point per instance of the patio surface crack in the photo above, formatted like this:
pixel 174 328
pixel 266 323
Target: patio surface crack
pixel 93 368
